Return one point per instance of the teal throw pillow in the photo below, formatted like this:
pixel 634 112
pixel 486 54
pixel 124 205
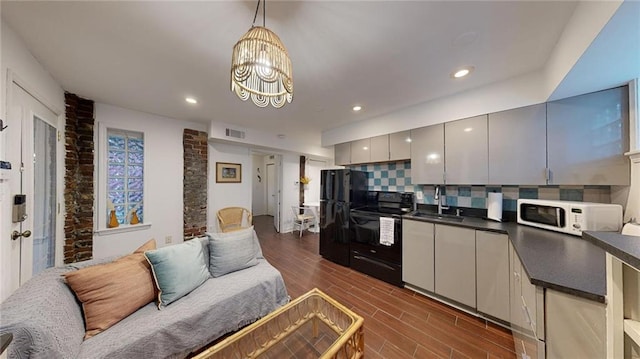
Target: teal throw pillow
pixel 231 254
pixel 178 269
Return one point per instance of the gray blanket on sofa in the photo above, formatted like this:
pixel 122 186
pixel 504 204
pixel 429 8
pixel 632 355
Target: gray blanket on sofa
pixel 47 322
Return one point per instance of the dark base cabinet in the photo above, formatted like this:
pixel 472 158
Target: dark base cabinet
pixel 385 271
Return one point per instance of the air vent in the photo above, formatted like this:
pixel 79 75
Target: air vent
pixel 234 133
pixel 272 157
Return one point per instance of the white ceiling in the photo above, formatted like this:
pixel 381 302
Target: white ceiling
pixel 383 55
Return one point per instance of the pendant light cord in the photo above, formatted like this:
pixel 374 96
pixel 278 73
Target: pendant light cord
pixel 264 13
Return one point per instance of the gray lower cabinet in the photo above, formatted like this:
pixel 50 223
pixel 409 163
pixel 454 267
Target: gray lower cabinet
pixel 418 254
pixel 576 327
pixel 492 274
pixel 587 137
pixel 526 311
pixel 455 264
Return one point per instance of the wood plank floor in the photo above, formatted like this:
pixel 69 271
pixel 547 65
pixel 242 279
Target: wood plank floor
pixel 398 322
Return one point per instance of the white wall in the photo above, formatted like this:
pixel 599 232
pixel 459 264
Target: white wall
pixel 228 194
pixel 15 57
pixel 518 92
pixel 290 190
pixel 163 206
pixel 312 170
pixel 269 142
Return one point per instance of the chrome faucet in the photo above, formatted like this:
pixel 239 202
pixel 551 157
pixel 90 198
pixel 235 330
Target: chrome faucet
pixel 438 200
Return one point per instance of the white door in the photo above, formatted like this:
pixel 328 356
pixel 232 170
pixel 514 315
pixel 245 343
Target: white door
pixel 32 151
pixel 271 189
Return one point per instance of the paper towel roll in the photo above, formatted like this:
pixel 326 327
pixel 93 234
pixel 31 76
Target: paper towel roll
pixel 494 206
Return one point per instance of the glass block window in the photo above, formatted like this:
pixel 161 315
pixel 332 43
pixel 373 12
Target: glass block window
pixel 125 170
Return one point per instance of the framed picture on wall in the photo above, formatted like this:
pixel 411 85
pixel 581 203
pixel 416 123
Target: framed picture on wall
pixel 228 172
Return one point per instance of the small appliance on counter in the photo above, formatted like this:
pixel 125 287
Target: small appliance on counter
pixel 494 206
pixel 569 217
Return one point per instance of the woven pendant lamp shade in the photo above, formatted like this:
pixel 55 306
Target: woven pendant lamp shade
pixel 261 69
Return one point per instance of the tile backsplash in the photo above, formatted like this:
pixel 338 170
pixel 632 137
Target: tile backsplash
pixel 396 177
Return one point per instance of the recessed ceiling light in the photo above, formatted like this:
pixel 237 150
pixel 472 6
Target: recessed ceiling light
pixel 462 72
pixel 365 148
pixel 357 108
pixel 468 129
pixel 408 139
pixel 191 100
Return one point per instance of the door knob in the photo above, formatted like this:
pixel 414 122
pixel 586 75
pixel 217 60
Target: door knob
pixel 15 234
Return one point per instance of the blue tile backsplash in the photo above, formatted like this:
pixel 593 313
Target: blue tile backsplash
pixel 396 177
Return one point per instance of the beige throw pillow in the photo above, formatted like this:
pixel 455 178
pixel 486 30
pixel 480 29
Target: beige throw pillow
pixel 110 292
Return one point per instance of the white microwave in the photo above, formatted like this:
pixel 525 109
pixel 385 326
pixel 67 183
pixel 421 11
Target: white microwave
pixel 569 217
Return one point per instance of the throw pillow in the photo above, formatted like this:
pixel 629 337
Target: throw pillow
pixel 240 233
pixel 232 253
pixel 178 269
pixel 110 292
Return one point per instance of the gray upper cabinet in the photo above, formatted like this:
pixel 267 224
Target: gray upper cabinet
pixel 342 153
pixel 587 137
pixel 466 151
pixel 518 146
pixel 361 151
pixel 427 155
pixel 399 146
pixel 379 148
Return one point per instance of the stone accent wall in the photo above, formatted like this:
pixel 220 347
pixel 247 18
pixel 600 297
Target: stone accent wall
pixel 196 164
pixel 78 188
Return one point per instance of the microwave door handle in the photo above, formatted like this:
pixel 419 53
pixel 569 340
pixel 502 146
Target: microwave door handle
pixel 558 217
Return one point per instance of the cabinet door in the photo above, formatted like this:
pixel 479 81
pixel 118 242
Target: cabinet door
pixel 576 327
pixel 587 137
pixel 492 274
pixel 427 155
pixel 400 146
pixel 515 283
pixel 361 151
pixel 417 254
pixel 518 146
pixel 466 151
pixel 455 264
pixel 342 153
pixel 379 148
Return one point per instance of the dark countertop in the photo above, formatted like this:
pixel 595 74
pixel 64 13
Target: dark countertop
pixel 552 260
pixel 626 248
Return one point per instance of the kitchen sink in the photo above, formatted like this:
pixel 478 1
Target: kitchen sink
pixel 440 217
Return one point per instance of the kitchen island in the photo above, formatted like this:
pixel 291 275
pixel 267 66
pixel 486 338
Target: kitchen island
pixel 623 291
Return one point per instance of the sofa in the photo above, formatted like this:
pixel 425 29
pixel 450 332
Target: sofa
pixel 46 317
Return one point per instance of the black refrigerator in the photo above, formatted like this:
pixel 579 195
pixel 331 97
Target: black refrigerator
pixel 340 191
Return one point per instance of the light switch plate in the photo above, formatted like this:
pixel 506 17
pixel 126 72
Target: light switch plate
pixel 419 196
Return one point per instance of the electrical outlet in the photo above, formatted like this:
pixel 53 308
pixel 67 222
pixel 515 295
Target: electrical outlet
pixel 167 239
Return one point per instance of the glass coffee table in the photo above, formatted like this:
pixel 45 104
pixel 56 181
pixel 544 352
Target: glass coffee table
pixel 311 326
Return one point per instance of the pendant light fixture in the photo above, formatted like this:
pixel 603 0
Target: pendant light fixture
pixel 260 66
